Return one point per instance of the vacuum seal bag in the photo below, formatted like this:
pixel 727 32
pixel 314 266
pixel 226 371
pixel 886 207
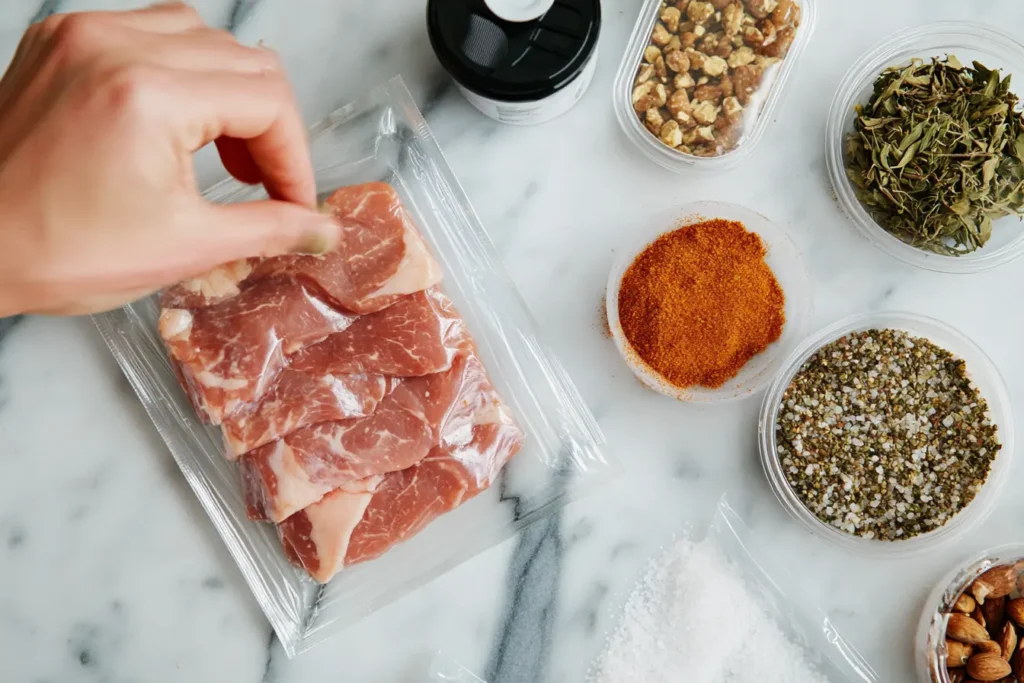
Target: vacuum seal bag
pixel 358 422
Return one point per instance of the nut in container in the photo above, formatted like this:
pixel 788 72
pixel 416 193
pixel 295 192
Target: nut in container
pixel 700 78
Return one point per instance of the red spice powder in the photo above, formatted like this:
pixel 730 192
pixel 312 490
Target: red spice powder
pixel 700 302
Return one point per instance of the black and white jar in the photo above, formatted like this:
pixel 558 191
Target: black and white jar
pixel 517 61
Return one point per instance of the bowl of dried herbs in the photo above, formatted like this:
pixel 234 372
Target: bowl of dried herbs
pixel 926 147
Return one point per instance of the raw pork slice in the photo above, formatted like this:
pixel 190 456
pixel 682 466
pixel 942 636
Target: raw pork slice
pixel 416 336
pixel 299 399
pixel 297 470
pixel 229 354
pixel 380 258
pixel 327 536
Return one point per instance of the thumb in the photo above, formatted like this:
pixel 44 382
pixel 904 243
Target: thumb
pixel 265 228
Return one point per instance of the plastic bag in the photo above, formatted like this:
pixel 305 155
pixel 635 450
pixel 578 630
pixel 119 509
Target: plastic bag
pixel 803 623
pixel 380 137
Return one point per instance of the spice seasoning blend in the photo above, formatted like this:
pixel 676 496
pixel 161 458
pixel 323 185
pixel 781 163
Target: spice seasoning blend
pixel 699 302
pixel 883 435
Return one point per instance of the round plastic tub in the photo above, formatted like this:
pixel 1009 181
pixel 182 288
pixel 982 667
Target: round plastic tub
pixel 983 374
pixel 782 257
pixel 930 644
pixel 765 100
pixel 968 42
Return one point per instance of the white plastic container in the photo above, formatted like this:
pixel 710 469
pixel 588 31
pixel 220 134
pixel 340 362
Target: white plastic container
pixel 782 257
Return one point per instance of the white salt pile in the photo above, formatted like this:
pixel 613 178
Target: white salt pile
pixel 694 619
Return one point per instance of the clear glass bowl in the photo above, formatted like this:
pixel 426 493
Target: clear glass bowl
pixel 769 96
pixel 983 374
pixel 782 257
pixel 968 42
pixel 930 645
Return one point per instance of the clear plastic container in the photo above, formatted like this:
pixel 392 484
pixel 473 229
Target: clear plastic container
pixel 930 644
pixel 983 374
pixel 968 42
pixel 782 257
pixel 762 96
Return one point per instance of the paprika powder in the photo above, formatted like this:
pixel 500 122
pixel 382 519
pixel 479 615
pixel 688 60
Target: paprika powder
pixel 700 301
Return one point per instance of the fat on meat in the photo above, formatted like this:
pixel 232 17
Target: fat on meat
pixel 364 520
pixel 303 398
pixel 381 257
pixel 287 475
pixel 230 355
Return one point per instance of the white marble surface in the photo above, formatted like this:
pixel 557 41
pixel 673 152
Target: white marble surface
pixel 110 571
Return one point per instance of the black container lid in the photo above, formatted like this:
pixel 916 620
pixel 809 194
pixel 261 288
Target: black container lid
pixel 513 61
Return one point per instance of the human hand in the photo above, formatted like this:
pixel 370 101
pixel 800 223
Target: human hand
pixel 100 114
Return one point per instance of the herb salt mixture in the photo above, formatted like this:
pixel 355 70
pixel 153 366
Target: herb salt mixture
pixel 882 435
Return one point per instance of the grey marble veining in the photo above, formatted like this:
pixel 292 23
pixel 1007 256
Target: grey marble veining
pixel 110 571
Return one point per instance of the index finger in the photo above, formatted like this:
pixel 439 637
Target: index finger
pixel 259 108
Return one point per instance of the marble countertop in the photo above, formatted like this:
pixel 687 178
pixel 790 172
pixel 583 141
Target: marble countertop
pixel 110 570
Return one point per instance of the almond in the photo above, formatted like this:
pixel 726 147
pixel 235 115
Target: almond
pixel 962 628
pixel 1015 610
pixel 957 653
pixel 1008 641
pixel 994 610
pixel 987 667
pixel 965 603
pixel 990 646
pixel 956 675
pixel 1017 662
pixel 978 616
pixel 997 582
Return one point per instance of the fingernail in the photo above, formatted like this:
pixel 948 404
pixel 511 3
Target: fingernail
pixel 320 238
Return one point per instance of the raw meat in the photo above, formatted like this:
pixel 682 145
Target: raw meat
pixel 229 354
pixel 325 537
pixel 297 470
pixel 380 258
pixel 416 336
pixel 299 399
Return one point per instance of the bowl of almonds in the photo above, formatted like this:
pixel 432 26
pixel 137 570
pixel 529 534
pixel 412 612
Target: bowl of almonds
pixel 972 628
pixel 700 78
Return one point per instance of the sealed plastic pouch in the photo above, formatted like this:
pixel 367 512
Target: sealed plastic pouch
pixel 417 368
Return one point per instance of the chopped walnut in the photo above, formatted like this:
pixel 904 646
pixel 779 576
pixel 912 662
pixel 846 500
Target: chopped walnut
pixel 677 61
pixel 705 112
pixel 705 62
pixel 699 12
pixel 660 69
pixel 732 18
pixel 708 93
pixel 671 135
pixel 745 80
pixel 741 57
pixel 670 17
pixel 679 107
pixel 732 108
pixel 786 14
pixel 683 81
pixel 660 36
pixel 715 66
pixel 760 8
pixel 696 58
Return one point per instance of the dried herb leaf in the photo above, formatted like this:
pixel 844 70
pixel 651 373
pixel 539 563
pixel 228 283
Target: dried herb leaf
pixel 937 154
